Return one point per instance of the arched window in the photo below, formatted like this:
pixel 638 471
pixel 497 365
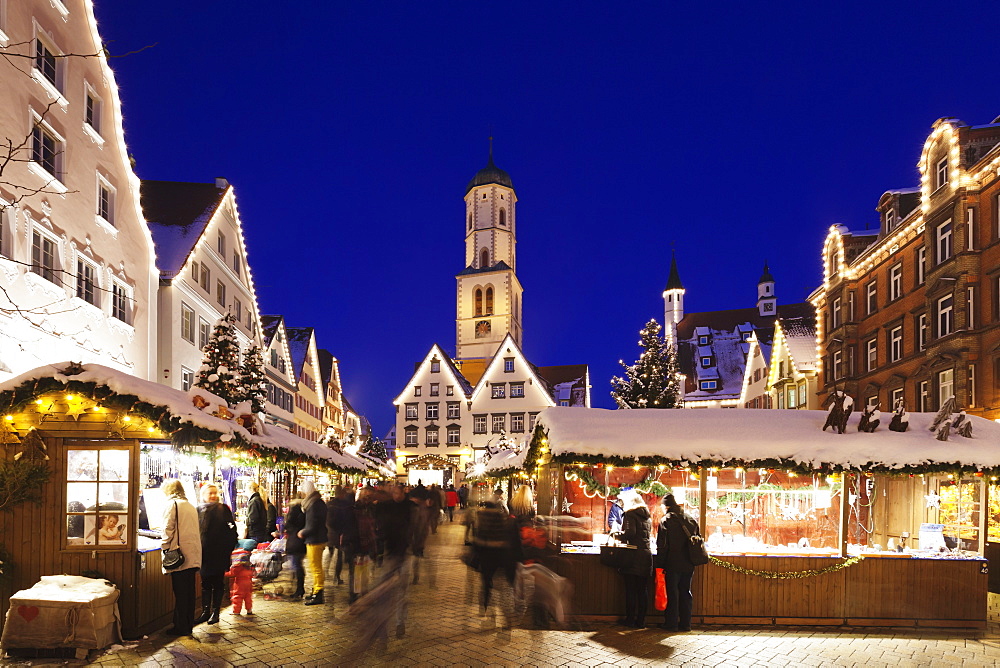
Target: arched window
pixel 484 259
pixel 489 301
pixel 503 217
pixel 479 301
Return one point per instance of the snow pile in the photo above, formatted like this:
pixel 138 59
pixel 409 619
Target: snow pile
pixel 73 588
pixel 760 435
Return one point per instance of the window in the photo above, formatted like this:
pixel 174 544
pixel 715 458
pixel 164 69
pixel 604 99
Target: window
pixel 872 401
pixel 417 390
pixel 120 302
pixel 205 277
pixel 503 217
pixel 970 229
pixel 238 310
pixel 943 242
pixel 531 420
pixel 871 354
pixel 187 378
pixel 220 244
pixel 517 422
pixel 489 301
pixel 435 389
pixel 945 315
pixel 46 64
pixel 890 219
pixel 499 423
pixel 449 391
pixel 187 322
pixel 105 201
pixel 703 340
pixel 435 366
pixel 508 365
pixel 895 282
pixel 972 385
pixel 86 281
pixel 499 390
pixel 97 495
pixel 946 386
pixel 454 410
pixel 220 293
pixel 92 111
pixel 921 265
pixel 204 332
pixel 516 390
pixel 484 259
pixel 479 424
pixel 838 365
pixel 454 436
pixel 237 265
pixel 922 331
pixel 850 306
pixel 411 411
pixel 479 301
pixel 432 437
pixel 410 437
pixel 895 397
pixel 432 411
pixel 43 256
pixel 941 173
pixel 836 313
pixel 923 396
pixel 970 307
pixel 274 358
pixel 470 222
pixel 708 384
pixel 896 344
pixel 46 149
pixel 871 298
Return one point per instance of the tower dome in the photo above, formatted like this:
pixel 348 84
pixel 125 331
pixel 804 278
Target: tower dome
pixel 490 174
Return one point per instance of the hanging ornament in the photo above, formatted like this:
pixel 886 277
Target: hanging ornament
pixel 933 500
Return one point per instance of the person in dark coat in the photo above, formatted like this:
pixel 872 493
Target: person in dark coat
pixel 295 547
pixel 218 539
pixel 673 556
pixel 494 538
pixel 637 526
pixel 256 516
pixel 340 524
pixel 314 534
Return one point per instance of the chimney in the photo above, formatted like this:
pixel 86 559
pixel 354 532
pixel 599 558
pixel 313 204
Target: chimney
pixel 221 183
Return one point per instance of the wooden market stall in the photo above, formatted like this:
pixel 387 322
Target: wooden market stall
pixel 805 526
pixel 77 437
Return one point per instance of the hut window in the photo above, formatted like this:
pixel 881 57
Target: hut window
pixel 97 496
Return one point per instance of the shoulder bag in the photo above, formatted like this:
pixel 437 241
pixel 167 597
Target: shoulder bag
pixel 696 546
pixel 174 559
pixel 619 556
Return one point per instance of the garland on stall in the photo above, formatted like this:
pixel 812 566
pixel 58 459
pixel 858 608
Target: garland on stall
pixel 182 434
pixel 649 484
pixel 790 575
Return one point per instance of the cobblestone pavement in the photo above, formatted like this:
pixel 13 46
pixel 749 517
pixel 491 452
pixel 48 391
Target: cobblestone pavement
pixel 444 628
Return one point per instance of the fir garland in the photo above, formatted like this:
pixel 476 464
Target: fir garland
pixel 648 485
pixel 790 575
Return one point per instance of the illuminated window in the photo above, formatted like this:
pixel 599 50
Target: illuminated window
pixel 498 390
pixel 508 365
pixel 923 396
pixel 941 173
pixel 516 390
pixel 97 497
pixel 890 219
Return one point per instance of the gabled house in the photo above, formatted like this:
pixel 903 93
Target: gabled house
pixel 280 371
pixel 204 274
pixel 77 265
pixel 334 428
pixel 309 391
pixel 792 381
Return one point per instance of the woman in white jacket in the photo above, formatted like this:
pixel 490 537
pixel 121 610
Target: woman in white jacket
pixel 180 529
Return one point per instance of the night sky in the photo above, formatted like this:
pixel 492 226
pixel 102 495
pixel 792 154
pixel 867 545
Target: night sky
pixel 732 133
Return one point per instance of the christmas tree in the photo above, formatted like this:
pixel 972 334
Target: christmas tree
pixel 374 447
pixel 220 368
pixel 653 381
pixel 253 380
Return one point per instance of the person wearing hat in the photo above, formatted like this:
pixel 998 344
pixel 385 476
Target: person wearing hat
pixel 673 556
pixel 637 526
pixel 314 534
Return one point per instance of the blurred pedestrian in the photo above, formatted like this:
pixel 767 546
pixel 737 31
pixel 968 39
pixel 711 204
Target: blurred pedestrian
pixel 451 500
pixel 636 530
pixel 256 528
pixel 674 557
pixel 218 539
pixel 463 496
pixel 493 539
pixel 314 534
pixel 341 526
pixel 181 530
pixel 295 547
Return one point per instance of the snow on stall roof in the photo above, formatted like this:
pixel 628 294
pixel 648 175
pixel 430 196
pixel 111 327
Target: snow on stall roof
pixel 179 404
pixel 506 459
pixel 758 435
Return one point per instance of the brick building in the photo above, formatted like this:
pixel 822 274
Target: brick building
pixel 911 312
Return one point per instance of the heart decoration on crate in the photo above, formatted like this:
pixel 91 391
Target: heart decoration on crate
pixel 28 612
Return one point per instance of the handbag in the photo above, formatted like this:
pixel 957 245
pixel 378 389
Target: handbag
pixel 660 598
pixel 696 547
pixel 174 559
pixel 619 556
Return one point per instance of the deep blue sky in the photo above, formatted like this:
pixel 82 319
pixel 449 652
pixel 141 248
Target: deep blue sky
pixel 736 132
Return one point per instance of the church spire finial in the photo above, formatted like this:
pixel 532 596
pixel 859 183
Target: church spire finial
pixel 491 146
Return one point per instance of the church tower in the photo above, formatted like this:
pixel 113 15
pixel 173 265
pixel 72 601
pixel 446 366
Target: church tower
pixel 489 294
pixel 767 303
pixel 673 304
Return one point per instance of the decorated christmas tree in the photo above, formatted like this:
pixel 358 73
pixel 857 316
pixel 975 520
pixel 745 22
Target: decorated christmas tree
pixel 653 381
pixel 253 380
pixel 220 367
pixel 374 447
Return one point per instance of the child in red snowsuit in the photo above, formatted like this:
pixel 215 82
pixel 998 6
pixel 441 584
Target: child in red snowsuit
pixel 241 588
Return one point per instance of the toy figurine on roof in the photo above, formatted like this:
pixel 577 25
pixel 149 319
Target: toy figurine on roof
pixel 900 418
pixel 841 407
pixel 949 418
pixel 870 419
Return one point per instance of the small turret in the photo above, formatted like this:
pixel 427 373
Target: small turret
pixel 767 303
pixel 673 303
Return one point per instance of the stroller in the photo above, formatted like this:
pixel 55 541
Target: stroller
pixel 267 568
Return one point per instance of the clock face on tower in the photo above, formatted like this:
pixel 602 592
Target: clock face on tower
pixel 482 328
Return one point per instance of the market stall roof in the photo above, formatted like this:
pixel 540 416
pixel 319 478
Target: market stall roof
pixel 790 438
pixel 505 462
pixel 171 409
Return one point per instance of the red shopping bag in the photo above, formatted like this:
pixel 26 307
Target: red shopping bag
pixel 661 590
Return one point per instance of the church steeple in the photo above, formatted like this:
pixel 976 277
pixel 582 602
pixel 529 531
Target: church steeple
pixel 489 293
pixel 673 303
pixel 767 303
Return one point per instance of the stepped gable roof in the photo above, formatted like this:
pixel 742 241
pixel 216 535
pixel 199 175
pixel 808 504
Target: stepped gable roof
pixel 490 174
pixel 730 319
pixel 298 346
pixel 674 280
pixel 177 214
pixel 499 266
pixel 269 327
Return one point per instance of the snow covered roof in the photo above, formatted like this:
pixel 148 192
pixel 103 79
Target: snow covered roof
pixel 800 339
pixel 174 409
pixel 178 214
pixel 505 461
pixel 298 346
pixel 761 438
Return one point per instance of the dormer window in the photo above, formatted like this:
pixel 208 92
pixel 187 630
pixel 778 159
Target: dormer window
pixel 709 384
pixel 941 173
pixel 706 361
pixel 890 219
pixel 703 340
